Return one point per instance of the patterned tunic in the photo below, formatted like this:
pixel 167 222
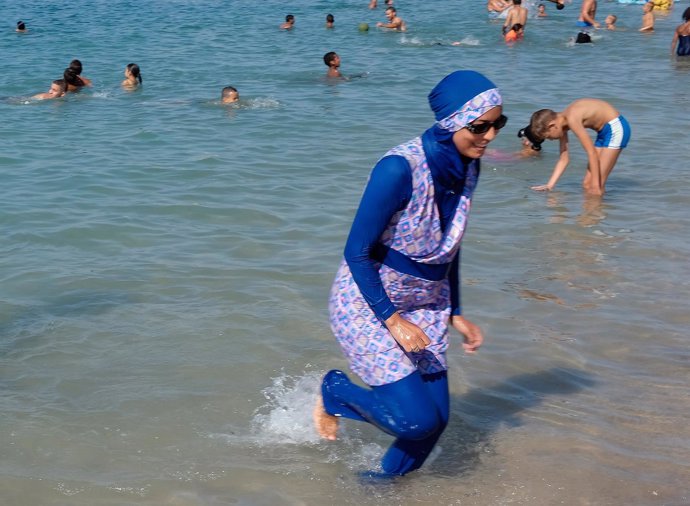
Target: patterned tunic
pixel 416 232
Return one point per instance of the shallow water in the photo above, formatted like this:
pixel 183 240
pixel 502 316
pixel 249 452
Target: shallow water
pixel 165 261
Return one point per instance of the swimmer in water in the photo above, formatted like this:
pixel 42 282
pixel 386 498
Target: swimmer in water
pixel 58 88
pixel 394 22
pixel 229 95
pixel 289 22
pixel 647 17
pixel 21 27
pixel 132 76
pixel 613 134
pixel 610 22
pixel 73 78
pixel 332 61
pixel 541 11
pixel 330 21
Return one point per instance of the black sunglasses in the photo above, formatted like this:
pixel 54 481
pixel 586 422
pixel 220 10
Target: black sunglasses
pixel 484 126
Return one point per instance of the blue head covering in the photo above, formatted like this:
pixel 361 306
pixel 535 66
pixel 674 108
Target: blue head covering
pixel 459 99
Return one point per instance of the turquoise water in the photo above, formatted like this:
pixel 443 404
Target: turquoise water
pixel 165 261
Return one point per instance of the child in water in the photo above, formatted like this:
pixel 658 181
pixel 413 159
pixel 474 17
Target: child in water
pixel 647 17
pixel 21 27
pixel 541 11
pixel 58 88
pixel 610 22
pixel 515 33
pixel 132 76
pixel 330 21
pixel 332 61
pixel 613 133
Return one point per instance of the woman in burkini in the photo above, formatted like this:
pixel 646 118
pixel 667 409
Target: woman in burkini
pixel 681 37
pixel 132 76
pixel 397 289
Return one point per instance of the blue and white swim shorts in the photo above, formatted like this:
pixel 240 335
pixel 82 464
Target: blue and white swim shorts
pixel 614 135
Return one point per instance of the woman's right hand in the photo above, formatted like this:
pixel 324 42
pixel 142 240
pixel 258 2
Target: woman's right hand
pixel 408 335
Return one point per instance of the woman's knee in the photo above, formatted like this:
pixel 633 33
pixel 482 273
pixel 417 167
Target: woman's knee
pixel 420 425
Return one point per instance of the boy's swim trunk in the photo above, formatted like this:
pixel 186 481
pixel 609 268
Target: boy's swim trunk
pixel 614 135
pixel 583 24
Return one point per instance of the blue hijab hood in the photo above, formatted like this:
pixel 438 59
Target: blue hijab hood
pixel 450 96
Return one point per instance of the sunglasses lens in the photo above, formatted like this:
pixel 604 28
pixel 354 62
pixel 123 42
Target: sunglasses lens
pixel 484 126
pixel 500 122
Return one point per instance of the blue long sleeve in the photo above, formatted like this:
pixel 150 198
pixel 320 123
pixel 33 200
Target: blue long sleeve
pixel 388 191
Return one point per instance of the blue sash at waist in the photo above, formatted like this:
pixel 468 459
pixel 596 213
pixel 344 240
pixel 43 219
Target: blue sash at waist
pixel 402 263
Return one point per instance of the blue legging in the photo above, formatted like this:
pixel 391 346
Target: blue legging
pixel 414 410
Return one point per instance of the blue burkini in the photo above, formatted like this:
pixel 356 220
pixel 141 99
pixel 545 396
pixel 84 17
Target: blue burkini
pixel 415 408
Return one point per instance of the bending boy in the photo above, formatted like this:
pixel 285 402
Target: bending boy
pixel 613 133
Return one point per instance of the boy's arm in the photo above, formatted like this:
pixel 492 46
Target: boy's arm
pixel 560 167
pixel 592 157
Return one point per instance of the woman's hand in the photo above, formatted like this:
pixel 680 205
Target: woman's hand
pixel 407 334
pixel 471 333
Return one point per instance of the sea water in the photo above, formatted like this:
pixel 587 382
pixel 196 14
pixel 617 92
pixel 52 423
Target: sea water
pixel 165 261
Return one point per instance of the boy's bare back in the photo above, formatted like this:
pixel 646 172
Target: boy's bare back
pixel 590 113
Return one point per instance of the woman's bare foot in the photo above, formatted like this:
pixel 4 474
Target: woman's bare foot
pixel 326 425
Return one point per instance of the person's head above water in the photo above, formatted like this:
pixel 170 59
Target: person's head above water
pixel 76 66
pixel 21 26
pixel 132 69
pixel 533 141
pixel 468 111
pixel 330 58
pixel 229 95
pixel 71 77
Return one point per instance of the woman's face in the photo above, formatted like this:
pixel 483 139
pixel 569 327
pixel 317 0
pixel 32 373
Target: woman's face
pixel 473 145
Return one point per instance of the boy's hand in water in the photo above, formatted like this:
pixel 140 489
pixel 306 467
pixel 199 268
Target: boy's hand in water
pixel 407 334
pixel 471 333
pixel 542 188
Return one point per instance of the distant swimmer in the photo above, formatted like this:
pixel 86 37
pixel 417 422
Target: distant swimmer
pixel 289 22
pixel 610 22
pixel 332 61
pixel 559 4
pixel 647 17
pixel 495 7
pixel 80 81
pixel 330 21
pixel 541 11
pixel 372 4
pixel 588 12
pixel 132 76
pixel 613 134
pixel 516 15
pixel 58 88
pixel 229 95
pixel 21 27
pixel 681 37
pixel 394 22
